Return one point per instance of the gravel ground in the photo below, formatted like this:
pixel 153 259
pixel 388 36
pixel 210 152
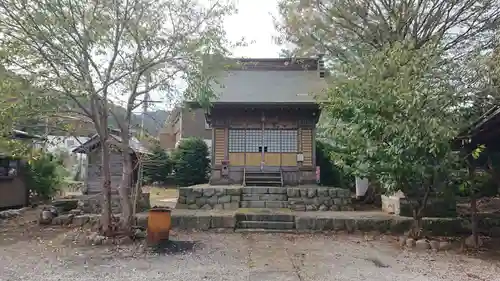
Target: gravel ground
pixel 233 256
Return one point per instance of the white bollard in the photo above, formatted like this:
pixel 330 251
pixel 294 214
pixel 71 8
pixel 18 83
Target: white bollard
pixel 361 187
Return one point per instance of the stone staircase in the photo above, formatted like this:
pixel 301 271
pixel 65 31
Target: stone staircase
pixel 265 220
pixel 262 178
pixel 264 197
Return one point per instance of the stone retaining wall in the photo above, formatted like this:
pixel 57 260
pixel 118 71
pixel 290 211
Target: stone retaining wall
pixel 295 198
pixel 319 199
pixel 92 203
pixel 207 198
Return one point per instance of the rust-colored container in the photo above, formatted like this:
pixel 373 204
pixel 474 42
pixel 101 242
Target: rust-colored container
pixel 159 225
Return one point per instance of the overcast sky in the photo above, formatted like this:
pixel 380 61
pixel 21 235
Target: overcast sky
pixel 254 22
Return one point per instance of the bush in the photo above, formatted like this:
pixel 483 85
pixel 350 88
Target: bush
pixel 42 176
pixel 191 163
pixel 330 174
pixel 157 167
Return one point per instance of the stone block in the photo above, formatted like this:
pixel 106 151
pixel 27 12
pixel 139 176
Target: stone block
pixel 277 204
pixel 311 208
pixel 304 223
pixel 141 220
pixel 208 207
pixel 303 192
pixel 223 222
pixel 184 191
pixel 197 192
pixel 322 192
pixel 181 199
pixel 181 206
pixel 213 200
pixel 272 197
pixel 323 224
pixel 235 198
pixel 258 190
pixel 338 224
pixel 231 206
pixel 193 207
pixel 191 199
pixel 311 192
pixel 323 208
pixel 220 191
pixel 203 221
pixel 337 201
pixel 253 204
pixel 343 193
pixel 208 192
pixel 293 192
pixel 298 207
pixel 201 201
pixel 224 199
pixel 335 208
pixel 251 197
pixel 234 191
pixel 188 222
pixel 328 202
pixel 350 225
pixel 276 190
pixel 332 192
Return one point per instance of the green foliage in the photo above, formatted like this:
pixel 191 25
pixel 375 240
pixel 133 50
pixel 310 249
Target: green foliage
pixel 331 174
pixel 42 176
pixel 391 118
pixel 191 163
pixel 157 167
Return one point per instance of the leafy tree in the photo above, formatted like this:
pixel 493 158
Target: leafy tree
pixel 42 176
pixel 392 119
pixel 157 167
pixel 331 174
pixel 97 54
pixel 191 163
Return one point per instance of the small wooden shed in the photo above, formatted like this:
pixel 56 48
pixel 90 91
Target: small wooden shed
pixel 14 193
pixel 93 181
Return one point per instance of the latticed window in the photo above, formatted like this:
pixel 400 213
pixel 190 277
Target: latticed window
pixel 236 140
pixel 289 141
pixel 253 140
pixel 272 141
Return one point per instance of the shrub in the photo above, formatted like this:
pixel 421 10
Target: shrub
pixel 157 167
pixel 42 176
pixel 191 163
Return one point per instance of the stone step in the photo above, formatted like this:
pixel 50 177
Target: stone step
pixel 261 176
pixel 279 217
pixel 261 230
pixel 263 190
pixel 266 225
pixel 262 173
pixel 264 204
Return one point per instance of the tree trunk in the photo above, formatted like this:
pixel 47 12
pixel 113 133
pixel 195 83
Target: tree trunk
pixel 473 206
pixel 124 191
pixel 106 226
pixel 418 212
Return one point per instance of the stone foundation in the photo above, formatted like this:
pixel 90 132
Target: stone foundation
pixel 295 198
pixel 319 199
pixel 207 198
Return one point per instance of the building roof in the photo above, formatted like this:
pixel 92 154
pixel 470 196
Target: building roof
pixel 270 80
pixel 134 144
pixel 485 130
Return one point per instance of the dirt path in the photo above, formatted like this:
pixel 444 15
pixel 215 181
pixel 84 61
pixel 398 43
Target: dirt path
pixel 232 256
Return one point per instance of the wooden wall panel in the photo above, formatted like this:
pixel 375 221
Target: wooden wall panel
pixel 289 159
pixel 272 159
pixel 253 158
pixel 220 146
pixel 307 146
pixel 236 158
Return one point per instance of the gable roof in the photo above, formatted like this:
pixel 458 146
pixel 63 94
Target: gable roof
pixel 134 144
pixel 270 80
pixel 484 130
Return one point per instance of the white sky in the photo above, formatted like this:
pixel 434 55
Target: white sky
pixel 254 22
